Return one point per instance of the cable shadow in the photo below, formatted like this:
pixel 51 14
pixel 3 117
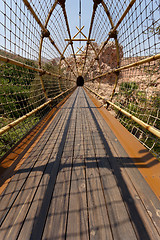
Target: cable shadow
pixel 111 163
pixel 39 222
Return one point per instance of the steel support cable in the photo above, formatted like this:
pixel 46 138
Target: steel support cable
pixel 146 60
pixel 41 43
pixel 45 31
pixel 112 32
pixel 69 33
pixel 146 126
pixel 17 121
pixel 90 30
pixel 117 46
pixel 80 20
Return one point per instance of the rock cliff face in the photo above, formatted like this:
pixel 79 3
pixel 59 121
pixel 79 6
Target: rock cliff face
pixel 146 77
pixel 107 61
pixel 109 54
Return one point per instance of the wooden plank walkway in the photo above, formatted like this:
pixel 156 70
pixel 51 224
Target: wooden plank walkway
pixel 74 184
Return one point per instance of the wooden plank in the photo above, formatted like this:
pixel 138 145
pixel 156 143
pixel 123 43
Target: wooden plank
pixel 142 222
pixel 12 190
pixel 146 163
pixel 12 162
pixel 55 227
pixel 77 226
pixel 36 217
pixel 118 215
pixel 12 223
pixel 78 188
pixel 133 188
pixel 24 200
pixel 99 224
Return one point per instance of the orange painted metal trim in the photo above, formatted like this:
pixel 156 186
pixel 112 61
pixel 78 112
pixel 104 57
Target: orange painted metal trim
pixel 12 161
pixel 146 163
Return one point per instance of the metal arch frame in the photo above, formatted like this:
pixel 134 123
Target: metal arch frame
pixel 95 5
pixel 117 48
pixel 79 31
pixel 41 43
pixel 60 61
pixel 92 48
pixel 40 48
pixel 45 33
pixel 112 34
pixel 113 31
pixel 69 33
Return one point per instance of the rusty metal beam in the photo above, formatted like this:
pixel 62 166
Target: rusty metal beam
pixel 45 32
pixel 117 47
pixel 90 30
pixel 113 32
pixel 69 33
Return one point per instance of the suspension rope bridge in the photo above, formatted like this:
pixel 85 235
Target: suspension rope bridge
pixel 79 129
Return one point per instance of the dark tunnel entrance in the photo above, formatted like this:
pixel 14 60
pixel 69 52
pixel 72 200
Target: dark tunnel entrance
pixel 80 81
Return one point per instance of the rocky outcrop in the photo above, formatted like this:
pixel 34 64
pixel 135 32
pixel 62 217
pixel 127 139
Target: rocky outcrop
pixel 107 61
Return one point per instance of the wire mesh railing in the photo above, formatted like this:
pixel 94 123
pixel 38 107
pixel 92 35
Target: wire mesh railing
pixel 30 79
pixel 38 66
pixel 134 83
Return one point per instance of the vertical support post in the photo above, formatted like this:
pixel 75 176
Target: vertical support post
pixel 96 2
pixel 40 46
pixel 62 3
pixel 117 47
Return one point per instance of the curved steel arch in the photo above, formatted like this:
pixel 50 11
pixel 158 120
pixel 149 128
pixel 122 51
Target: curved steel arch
pixel 117 47
pixel 40 48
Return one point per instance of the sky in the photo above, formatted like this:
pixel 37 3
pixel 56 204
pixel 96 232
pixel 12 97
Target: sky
pixel 72 8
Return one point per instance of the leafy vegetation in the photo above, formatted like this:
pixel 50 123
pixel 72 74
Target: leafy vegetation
pixel 14 89
pixel 8 140
pixel 136 102
pixel 20 92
